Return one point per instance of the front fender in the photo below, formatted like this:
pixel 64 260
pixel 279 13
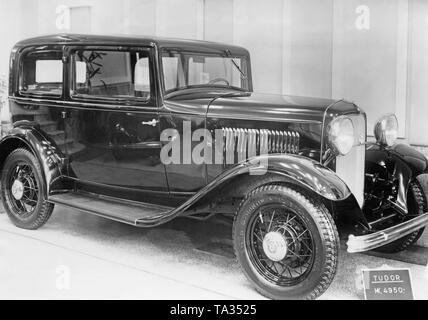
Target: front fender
pixel 48 155
pixel 301 171
pixel 402 162
pixel 298 170
pixel 415 160
pixel 305 172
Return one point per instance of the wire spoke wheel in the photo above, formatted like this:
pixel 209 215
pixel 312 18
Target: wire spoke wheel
pixel 280 246
pixel 23 190
pixel 286 242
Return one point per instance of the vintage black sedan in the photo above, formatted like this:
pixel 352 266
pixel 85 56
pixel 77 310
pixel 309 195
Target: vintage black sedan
pixel 143 130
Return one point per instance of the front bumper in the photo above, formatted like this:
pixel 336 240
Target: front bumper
pixel 380 238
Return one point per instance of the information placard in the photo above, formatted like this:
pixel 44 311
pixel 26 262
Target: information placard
pixel 387 284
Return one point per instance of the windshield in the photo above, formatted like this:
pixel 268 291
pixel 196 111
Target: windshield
pixel 183 70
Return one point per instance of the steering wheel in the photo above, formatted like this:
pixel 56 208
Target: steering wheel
pixel 219 80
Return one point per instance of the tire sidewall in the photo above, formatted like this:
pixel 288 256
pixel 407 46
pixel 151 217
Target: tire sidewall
pixel 243 219
pixel 10 163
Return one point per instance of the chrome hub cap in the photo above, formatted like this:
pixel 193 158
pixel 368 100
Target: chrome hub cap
pixel 17 189
pixel 275 246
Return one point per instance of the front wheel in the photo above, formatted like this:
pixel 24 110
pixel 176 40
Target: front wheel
pixel 23 191
pixel 286 242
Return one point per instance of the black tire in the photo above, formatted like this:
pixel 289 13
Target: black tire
pixel 417 205
pixel 32 210
pixel 309 217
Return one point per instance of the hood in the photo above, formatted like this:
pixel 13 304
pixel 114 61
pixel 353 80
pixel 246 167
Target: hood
pixel 272 107
pixel 234 110
pixel 258 106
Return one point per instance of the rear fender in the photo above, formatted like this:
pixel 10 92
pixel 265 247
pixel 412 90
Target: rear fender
pixel 49 156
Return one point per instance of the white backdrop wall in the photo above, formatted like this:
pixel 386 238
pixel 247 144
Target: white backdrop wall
pixel 372 52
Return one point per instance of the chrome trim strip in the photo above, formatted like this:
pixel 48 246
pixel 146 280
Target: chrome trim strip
pixel 380 238
pixel 58 103
pixel 140 107
pixel 139 145
pixel 297 144
pixel 252 142
pixel 245 117
pixel 264 141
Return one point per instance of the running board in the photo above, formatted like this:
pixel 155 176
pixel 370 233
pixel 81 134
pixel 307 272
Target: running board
pixel 129 212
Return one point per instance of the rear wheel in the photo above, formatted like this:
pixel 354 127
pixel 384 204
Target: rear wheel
pixel 23 191
pixel 286 242
pixel 417 205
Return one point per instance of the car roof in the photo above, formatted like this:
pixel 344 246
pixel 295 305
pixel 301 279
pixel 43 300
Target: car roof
pixel 130 40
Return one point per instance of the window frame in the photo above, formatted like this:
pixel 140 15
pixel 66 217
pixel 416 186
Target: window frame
pixel 186 52
pixel 39 94
pixel 105 100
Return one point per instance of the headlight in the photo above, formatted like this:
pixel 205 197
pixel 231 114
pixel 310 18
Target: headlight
pixel 386 130
pixel 341 135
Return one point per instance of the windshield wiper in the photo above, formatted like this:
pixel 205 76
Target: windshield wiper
pixel 243 75
pixel 229 54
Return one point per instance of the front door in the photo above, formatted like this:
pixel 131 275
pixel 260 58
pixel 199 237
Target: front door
pixel 112 128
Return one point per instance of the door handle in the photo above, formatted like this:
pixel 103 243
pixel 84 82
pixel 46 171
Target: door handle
pixel 152 123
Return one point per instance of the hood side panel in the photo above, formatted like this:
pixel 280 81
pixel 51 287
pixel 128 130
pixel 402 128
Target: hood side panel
pixel 270 107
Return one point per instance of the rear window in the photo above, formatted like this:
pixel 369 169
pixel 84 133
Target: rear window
pixel 111 74
pixel 42 73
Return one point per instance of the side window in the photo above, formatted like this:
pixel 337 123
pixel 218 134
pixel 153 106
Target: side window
pixel 142 77
pixel 42 73
pixel 172 73
pixel 111 74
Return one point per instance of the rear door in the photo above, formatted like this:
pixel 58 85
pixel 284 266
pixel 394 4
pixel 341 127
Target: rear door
pixel 40 93
pixel 112 125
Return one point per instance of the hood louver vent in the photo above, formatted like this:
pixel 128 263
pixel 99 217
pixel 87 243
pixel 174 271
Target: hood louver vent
pixel 251 142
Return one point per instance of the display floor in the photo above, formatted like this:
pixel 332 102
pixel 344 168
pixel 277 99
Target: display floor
pixel 78 256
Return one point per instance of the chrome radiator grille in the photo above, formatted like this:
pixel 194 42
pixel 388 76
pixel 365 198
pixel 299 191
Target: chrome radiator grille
pixel 251 142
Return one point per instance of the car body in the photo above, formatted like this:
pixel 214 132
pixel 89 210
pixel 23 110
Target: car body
pixel 107 125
